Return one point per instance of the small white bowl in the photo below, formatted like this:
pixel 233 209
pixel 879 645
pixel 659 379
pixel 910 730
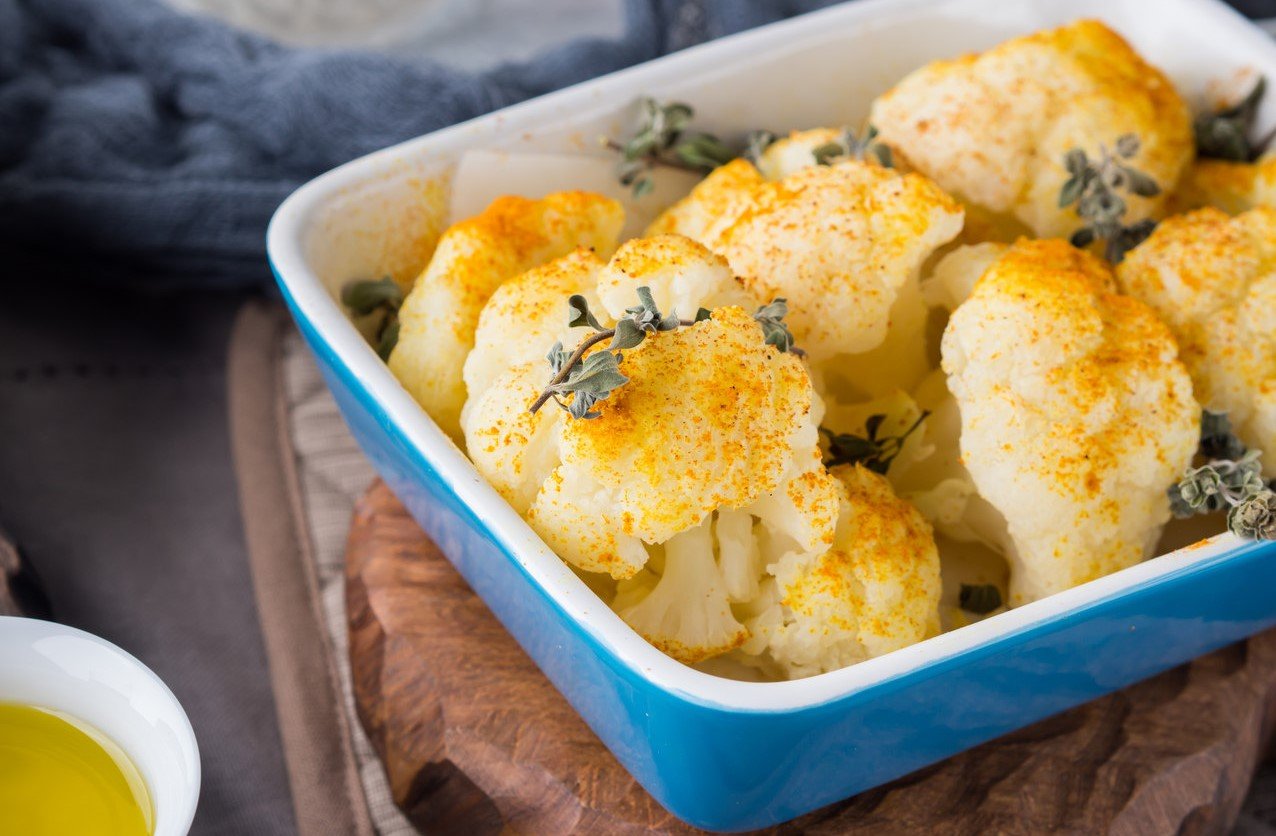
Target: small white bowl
pixel 53 666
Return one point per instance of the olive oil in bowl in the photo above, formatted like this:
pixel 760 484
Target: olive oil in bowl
pixel 60 776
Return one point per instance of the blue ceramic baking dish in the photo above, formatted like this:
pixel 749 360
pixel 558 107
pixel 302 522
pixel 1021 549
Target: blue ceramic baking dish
pixel 725 754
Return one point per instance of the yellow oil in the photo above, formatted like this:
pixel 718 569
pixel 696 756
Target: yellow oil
pixel 60 776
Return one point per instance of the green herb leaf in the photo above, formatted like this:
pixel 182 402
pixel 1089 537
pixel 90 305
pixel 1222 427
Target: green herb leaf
pixel 828 152
pixel 870 451
pixel 580 315
pixel 389 339
pixel 1127 145
pixel 628 335
pixel 1082 237
pixel 704 151
pixel 1225 134
pixel 1227 480
pixel 979 599
pixel 367 295
pixel 849 146
pixel 591 381
pixel 1140 183
pixel 1254 517
pixel 1071 191
pixel 774 329
pixel 1093 186
pixel 1076 162
pixel 558 357
pixel 662 140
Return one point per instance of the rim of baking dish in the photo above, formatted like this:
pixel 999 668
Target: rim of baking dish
pixel 371 378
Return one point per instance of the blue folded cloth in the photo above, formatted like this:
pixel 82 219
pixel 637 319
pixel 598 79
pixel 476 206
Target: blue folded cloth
pixel 132 134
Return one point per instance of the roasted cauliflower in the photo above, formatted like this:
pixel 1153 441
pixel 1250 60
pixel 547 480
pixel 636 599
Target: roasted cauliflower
pixel 473 258
pixel 993 128
pixel 1212 279
pixel 712 419
pixel 876 590
pixel 1231 186
pixel 843 243
pixel 1076 414
pixel 699 486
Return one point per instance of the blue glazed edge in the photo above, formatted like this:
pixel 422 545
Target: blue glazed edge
pixel 727 768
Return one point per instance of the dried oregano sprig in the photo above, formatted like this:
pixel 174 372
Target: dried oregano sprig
pixel 662 140
pixel 590 379
pixel 849 146
pixel 1225 134
pixel 1234 484
pixel 1095 186
pixel 365 297
pixel 872 451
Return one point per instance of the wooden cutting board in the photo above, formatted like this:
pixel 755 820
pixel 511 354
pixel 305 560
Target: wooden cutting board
pixel 475 740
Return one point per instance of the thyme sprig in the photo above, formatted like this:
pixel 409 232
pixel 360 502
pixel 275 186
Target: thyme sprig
pixel 849 146
pixel 870 450
pixel 1225 133
pixel 1094 186
pixel 590 378
pixel 662 139
pixel 1234 484
pixel 365 297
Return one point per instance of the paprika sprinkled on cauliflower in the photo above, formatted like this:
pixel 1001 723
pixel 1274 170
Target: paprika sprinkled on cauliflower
pixel 838 241
pixel 526 314
pixel 1230 186
pixel 993 128
pixel 708 419
pixel 714 203
pixel 876 590
pixel 1076 414
pixel 683 276
pixel 474 258
pixel 843 243
pixel 1212 279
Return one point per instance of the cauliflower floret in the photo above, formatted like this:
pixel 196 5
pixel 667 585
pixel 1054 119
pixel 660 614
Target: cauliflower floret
pixel 876 590
pixel 842 243
pixel 709 418
pixel 699 486
pixel 514 449
pixel 993 128
pixel 474 258
pixel 528 314
pixel 932 477
pixel 1212 278
pixel 1076 414
pixel 839 242
pixel 1230 186
pixel 714 203
pixel 687 611
pixel 682 275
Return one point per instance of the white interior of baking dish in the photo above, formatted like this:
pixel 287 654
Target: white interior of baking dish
pixel 382 214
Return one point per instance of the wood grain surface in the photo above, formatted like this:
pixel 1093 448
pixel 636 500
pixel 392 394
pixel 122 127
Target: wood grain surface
pixel 475 740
